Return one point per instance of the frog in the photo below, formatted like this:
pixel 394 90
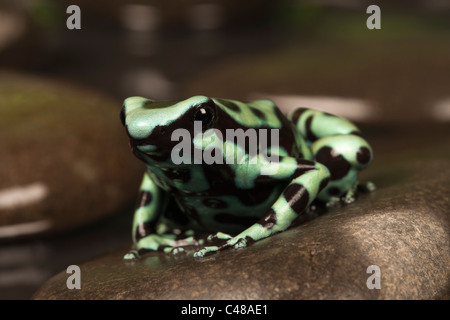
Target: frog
pixel 318 157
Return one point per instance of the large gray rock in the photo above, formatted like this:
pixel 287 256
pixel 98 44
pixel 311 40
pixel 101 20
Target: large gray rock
pixel 403 228
pixel 65 160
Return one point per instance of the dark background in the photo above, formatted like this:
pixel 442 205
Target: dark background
pixel 235 49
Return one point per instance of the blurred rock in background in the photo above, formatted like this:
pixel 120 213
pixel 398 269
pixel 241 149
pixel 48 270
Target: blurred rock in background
pixel 65 161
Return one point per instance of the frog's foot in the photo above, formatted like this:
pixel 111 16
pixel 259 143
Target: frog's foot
pixel 174 250
pixel 205 250
pixel 232 242
pixel 350 196
pixel 332 202
pixel 168 243
pixel 131 255
pixel 219 235
pixel 367 187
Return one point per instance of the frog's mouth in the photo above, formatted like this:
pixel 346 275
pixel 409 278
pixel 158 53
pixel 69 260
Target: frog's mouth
pixel 149 148
pixel 146 151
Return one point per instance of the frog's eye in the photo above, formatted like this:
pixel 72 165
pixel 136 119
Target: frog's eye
pixel 205 114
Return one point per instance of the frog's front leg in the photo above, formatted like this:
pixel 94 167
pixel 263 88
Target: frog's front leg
pixel 151 202
pixel 306 178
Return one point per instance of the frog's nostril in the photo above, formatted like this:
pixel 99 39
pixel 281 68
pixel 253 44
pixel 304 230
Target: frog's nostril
pixel 122 116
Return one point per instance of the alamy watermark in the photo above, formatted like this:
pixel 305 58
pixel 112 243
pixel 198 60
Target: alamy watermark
pixel 374 20
pixel 74 20
pixel 374 281
pixel 211 147
pixel 73 281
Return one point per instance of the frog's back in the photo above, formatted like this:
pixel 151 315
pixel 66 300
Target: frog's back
pixel 260 114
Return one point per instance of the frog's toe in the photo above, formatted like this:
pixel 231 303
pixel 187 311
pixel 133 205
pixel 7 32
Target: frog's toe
pixel 241 243
pixel 219 235
pixel 332 202
pixel 368 187
pixel 177 250
pixel 206 250
pixel 131 255
pixel 349 198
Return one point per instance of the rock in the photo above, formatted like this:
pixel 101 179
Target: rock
pixel 65 157
pixel 17 38
pixel 403 228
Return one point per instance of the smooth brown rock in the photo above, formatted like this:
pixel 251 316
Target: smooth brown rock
pixel 403 227
pixel 65 160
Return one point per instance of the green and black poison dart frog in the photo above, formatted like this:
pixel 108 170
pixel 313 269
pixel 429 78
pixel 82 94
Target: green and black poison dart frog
pixel 319 157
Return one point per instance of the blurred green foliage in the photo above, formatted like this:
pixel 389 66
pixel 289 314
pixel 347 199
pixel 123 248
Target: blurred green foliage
pixel 298 14
pixel 46 14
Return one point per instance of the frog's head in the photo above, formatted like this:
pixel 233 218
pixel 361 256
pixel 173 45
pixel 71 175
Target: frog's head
pixel 150 124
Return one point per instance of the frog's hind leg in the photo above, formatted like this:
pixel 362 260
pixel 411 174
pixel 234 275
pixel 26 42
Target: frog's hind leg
pixel 337 143
pixel 345 156
pixel 314 124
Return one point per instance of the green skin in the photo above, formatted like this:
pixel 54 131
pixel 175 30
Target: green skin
pixel 320 156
